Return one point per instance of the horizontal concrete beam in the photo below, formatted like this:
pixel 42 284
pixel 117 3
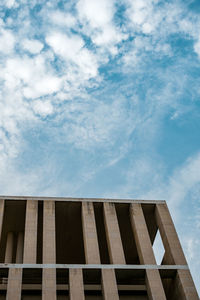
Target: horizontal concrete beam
pixel 88 287
pixel 95 266
pixel 69 199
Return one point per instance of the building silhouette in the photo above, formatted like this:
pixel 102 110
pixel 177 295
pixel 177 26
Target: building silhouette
pixel 72 248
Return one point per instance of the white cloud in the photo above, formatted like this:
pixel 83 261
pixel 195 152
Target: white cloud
pixel 197 47
pixel 153 22
pixel 7 41
pixel 66 46
pixel 30 76
pixel 33 46
pixel 10 3
pixel 97 13
pixel 143 15
pixel 43 108
pixel 97 124
pixel 108 36
pixel 71 49
pixel 43 86
pixel 97 18
pixel 62 19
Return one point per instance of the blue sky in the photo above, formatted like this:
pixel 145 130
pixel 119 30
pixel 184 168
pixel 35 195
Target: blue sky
pixel 102 99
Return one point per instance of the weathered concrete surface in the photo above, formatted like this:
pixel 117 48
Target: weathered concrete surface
pixel 90 234
pixel 14 284
pixel 9 247
pixel 169 236
pixel 20 246
pixel 49 230
pixel 30 238
pixel 143 243
pixel 76 288
pixel 1 214
pixel 109 285
pixel 113 236
pixel 49 251
pixel 174 252
pixel 49 284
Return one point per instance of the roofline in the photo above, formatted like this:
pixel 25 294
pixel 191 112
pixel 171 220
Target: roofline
pixel 93 266
pixel 72 199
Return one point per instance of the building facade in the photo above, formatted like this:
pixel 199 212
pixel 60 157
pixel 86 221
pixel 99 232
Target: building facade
pixel 72 248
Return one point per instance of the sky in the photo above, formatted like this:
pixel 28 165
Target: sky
pixel 102 99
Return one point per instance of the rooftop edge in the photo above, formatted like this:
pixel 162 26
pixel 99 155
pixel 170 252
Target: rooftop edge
pixel 72 199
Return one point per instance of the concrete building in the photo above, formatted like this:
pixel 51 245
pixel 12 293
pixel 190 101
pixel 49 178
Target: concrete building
pixel 67 248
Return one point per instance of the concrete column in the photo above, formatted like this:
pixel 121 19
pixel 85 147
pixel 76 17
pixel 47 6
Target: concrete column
pixel 109 284
pixel 185 285
pixel 49 284
pixel 49 234
pixel 92 250
pixel 20 245
pixel 154 285
pixel 90 234
pixel 9 247
pixel 14 284
pixel 113 236
pixel 169 236
pixel 30 238
pixel 1 215
pixel 76 287
pixel 174 252
pixel 145 252
pixel 49 251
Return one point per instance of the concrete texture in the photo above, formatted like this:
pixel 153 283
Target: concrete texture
pixel 20 246
pixel 109 284
pixel 90 234
pixel 14 284
pixel 169 236
pixel 1 215
pixel 49 231
pixel 9 247
pixel 114 241
pixel 145 251
pixel 31 231
pixel 49 251
pixel 30 239
pixel 49 284
pixel 175 253
pixel 76 288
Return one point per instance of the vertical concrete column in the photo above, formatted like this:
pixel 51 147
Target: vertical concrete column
pixel 109 285
pixel 169 236
pixel 186 285
pixel 155 288
pixel 14 284
pixel 91 245
pixel 9 247
pixel 76 287
pixel 20 245
pixel 113 236
pixel 30 238
pixel 1 215
pixel 49 233
pixel 92 251
pixel 174 252
pixel 49 251
pixel 49 284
